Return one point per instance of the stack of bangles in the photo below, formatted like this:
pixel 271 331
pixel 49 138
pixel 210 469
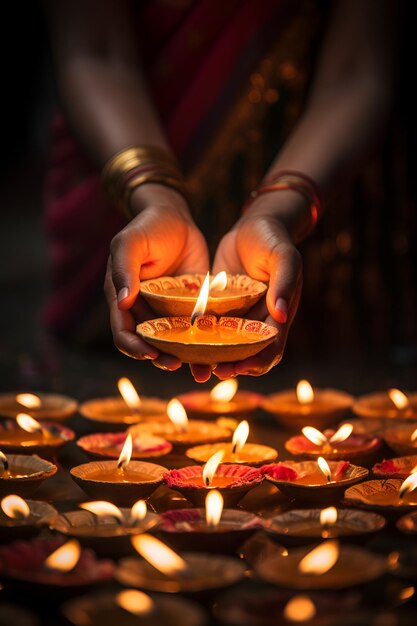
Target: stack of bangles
pixel 135 166
pixel 295 181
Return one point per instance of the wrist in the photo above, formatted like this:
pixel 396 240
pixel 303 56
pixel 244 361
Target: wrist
pixel 151 194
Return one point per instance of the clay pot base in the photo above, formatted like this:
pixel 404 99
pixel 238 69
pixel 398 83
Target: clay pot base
pixel 60 435
pixel 199 405
pixel 156 333
pixel 32 472
pixel 379 406
pixel 399 467
pixel 361 496
pixel 173 296
pixel 346 450
pixel 54 407
pixel 398 439
pixel 252 454
pixel 408 524
pixel 109 446
pixel 112 413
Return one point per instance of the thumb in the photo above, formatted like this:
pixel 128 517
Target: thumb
pixel 127 251
pixel 285 282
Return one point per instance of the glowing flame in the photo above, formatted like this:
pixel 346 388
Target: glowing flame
pixel 240 436
pixel 200 305
pixel 211 466
pixel 304 391
pixel 129 393
pixel 328 516
pixel 101 508
pixel 3 459
pixel 135 602
pixel 214 508
pixel 399 398
pixel 64 558
pixel 15 507
pixel 314 435
pixel 224 391
pixel 406 593
pixel 126 452
pixel 299 609
pixel 28 400
pixel 342 433
pixel 320 560
pixel 409 484
pixel 219 282
pixel 414 435
pixel 139 510
pixel 178 415
pixel 28 423
pixel 324 466
pixel 158 554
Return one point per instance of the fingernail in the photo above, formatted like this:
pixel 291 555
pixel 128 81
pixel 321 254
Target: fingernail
pixel 123 294
pixel 282 308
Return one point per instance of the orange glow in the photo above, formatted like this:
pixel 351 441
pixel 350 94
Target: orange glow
pixel 101 508
pixel 211 466
pixel 342 433
pixel 126 452
pixel 28 400
pixel 219 282
pixel 15 507
pixel 409 484
pixel 214 508
pixel 414 435
pixel 178 415
pixel 139 510
pixel 321 559
pixel 159 555
pixel 135 602
pixel 3 459
pixel 224 391
pixel 398 398
pixel 65 558
pixel 314 435
pixel 27 423
pixel 240 436
pixel 200 305
pixel 304 391
pixel 129 393
pixel 324 466
pixel 299 609
pixel 328 516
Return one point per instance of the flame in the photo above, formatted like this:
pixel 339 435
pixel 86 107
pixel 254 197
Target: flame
pixel 406 593
pixel 409 484
pixel 224 391
pixel 200 305
pixel 314 435
pixel 28 423
pixel 240 436
pixel 299 609
pixel 101 508
pixel 129 393
pixel 304 391
pixel 324 466
pixel 211 466
pixel 65 558
pixel 342 433
pixel 15 507
pixel 139 510
pixel 219 282
pixel 28 400
pixel 135 602
pixel 158 554
pixel 328 516
pixel 414 435
pixel 178 415
pixel 399 398
pixel 214 508
pixel 320 560
pixel 126 452
pixel 4 460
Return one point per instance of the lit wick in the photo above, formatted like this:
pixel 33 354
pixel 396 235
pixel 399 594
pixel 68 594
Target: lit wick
pixel 211 466
pixel 103 508
pixel 178 415
pixel 409 484
pixel 126 453
pixel 30 425
pixel 200 305
pixel 324 466
pixel 129 394
pixel 240 436
pixel 5 462
pixel 328 517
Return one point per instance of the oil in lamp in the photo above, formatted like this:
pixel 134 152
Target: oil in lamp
pixel 42 406
pixel 391 404
pixel 27 434
pixel 22 474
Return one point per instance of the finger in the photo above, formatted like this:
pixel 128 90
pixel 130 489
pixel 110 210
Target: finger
pixel 167 362
pixel 259 311
pixel 285 277
pixel 201 373
pixel 128 250
pixel 224 371
pixel 265 360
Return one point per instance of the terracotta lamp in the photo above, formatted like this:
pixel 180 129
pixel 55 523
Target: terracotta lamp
pixel 25 434
pixel 23 474
pixel 52 407
pixel 391 404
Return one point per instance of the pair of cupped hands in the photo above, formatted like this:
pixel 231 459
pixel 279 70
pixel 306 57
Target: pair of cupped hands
pixel 163 239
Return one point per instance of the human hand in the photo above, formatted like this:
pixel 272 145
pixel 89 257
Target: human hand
pixel 161 240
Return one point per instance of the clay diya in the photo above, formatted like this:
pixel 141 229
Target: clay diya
pixel 109 446
pixel 314 481
pixel 400 467
pixel 23 474
pixel 402 439
pixel 318 407
pixel 236 451
pixel 223 400
pixel 182 432
pixel 301 526
pixel 50 565
pixel 335 445
pixel 162 569
pixel 42 406
pixel 392 496
pixel 213 528
pixel 327 566
pixel 233 481
pixel 391 404
pixel 104 527
pixel 116 413
pixel 131 607
pixel 28 435
pixel 177 295
pixel 21 519
pixel 122 481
